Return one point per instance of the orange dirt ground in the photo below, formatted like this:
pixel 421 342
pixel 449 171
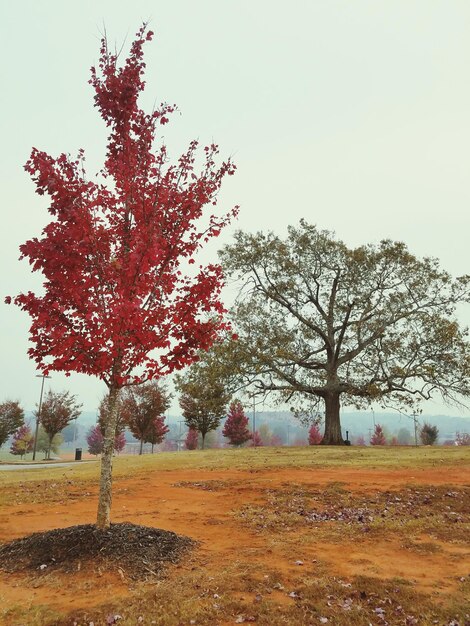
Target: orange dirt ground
pixel 206 516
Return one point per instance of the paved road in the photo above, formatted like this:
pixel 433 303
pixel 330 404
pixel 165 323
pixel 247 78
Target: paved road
pixel 26 466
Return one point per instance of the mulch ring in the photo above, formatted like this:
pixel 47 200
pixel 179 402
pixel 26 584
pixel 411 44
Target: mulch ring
pixel 136 552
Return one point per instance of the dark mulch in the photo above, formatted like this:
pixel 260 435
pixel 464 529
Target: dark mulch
pixel 137 552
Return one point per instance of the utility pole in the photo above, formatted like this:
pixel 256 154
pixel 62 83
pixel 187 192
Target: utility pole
pixel 179 437
pixel 254 420
pixel 38 416
pixel 252 395
pixel 414 415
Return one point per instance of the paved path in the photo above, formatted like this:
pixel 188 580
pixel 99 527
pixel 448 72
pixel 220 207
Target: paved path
pixel 29 466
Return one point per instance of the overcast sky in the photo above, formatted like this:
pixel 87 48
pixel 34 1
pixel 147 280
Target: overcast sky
pixel 351 114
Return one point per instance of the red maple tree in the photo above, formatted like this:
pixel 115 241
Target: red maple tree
pixel 276 441
pixel 314 435
pixel 141 410
pixel 256 440
pixel 156 432
pixel 191 441
pixel 236 425
pixel 22 441
pixel 378 438
pixel 95 440
pixel 119 300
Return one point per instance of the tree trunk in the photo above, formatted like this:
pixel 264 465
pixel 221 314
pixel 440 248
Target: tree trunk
pixel 203 435
pixel 105 495
pixel 332 436
pixel 141 446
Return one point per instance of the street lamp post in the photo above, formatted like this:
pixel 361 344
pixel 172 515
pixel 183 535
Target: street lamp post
pixel 254 420
pixel 38 416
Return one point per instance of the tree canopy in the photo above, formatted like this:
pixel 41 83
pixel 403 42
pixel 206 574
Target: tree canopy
pixel 428 434
pixel 236 425
pixel 11 418
pixel 142 411
pixel 57 411
pixel 95 440
pixel 203 398
pixel 47 445
pixel 191 441
pixel 378 438
pixel 318 320
pixel 22 441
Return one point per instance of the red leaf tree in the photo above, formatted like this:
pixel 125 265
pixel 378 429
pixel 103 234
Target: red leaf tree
pixel 95 440
pixel 22 441
pixel 275 442
pixel 314 435
pixel 119 300
pixel 256 440
pixel 236 425
pixel 156 431
pixel 378 438
pixel 141 406
pixel 191 440
pixel 103 415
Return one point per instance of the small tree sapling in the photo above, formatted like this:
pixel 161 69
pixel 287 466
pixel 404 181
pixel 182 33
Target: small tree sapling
pixel 22 441
pixel 236 425
pixel 378 438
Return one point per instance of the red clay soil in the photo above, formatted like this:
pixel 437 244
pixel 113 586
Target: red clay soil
pixel 159 500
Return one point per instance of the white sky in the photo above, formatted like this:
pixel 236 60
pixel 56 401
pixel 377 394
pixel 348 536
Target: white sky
pixel 354 115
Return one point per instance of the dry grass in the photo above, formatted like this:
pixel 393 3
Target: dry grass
pixel 240 593
pixel 374 457
pixel 289 520
pixel 335 514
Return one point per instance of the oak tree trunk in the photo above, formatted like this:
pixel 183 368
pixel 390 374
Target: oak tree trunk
pixel 203 438
pixel 332 436
pixel 141 446
pixel 105 494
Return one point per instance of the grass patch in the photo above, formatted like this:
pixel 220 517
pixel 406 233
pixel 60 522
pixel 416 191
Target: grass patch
pixel 253 459
pixel 240 593
pixel 205 485
pixel 334 514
